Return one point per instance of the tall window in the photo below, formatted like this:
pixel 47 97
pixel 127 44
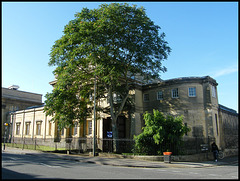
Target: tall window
pixel 18 129
pixel 49 128
pixel 159 95
pixel 75 129
pixel 38 131
pixel 175 93
pixel 27 131
pixel 62 132
pixel 214 91
pixel 192 91
pixel 116 98
pixel 145 97
pixel 216 123
pixel 90 127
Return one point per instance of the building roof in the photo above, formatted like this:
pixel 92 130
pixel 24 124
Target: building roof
pixel 182 79
pixel 34 107
pixel 226 109
pixel 14 94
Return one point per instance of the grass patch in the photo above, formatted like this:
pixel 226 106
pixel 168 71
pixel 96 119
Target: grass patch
pixel 32 147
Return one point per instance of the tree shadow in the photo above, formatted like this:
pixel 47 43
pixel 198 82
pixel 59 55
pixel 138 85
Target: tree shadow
pixel 9 174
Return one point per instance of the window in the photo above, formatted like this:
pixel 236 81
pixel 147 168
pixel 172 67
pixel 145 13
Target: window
pixel 145 97
pixel 216 123
pixel 38 131
pixel 91 97
pixel 75 129
pixel 18 129
pixel 27 131
pixel 49 128
pixel 90 127
pixel 175 93
pixel 192 91
pixel 214 91
pixel 116 98
pixel 62 132
pixel 159 95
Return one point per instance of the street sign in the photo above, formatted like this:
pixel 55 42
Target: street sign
pixel 109 134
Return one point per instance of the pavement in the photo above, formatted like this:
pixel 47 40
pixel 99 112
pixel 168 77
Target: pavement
pixel 126 162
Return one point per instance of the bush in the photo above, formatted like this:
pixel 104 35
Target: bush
pixel 161 133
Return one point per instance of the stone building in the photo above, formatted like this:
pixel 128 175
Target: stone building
pixel 193 97
pixel 14 100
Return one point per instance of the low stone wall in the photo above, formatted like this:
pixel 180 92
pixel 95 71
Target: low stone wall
pixel 186 158
pixel 178 158
pixel 230 152
pixel 194 158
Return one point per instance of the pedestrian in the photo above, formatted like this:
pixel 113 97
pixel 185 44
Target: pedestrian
pixel 215 151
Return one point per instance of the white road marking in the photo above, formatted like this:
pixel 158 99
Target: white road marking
pixel 193 173
pixel 49 165
pixel 162 170
pixel 13 158
pixel 176 171
pixel 213 174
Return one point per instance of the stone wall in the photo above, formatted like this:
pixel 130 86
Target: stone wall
pixel 229 127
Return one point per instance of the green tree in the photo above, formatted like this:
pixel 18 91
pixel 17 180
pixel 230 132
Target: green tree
pixel 112 43
pixel 161 133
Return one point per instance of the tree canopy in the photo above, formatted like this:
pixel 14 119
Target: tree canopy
pixel 110 43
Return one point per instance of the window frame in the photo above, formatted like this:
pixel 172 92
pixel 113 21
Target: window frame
pixel 27 129
pixel 174 93
pixel 74 129
pixel 18 128
pixel 214 91
pixel 38 127
pixel 195 92
pixel 49 128
pixel 146 95
pixel 159 96
pixel 89 127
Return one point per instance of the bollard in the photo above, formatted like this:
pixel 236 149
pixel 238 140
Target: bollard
pixel 167 157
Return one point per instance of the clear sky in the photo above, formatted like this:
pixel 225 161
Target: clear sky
pixel 203 37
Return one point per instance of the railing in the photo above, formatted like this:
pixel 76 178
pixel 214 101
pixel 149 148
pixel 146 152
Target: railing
pixel 84 145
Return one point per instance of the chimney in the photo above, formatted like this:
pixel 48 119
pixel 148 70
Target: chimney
pixel 14 87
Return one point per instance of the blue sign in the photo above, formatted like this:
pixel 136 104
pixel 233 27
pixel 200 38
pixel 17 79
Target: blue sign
pixel 109 134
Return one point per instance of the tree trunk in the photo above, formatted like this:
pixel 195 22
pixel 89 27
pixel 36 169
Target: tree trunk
pixel 115 137
pixel 114 116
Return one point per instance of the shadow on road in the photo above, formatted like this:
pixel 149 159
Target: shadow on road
pixel 9 174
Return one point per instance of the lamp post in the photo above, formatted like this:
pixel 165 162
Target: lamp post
pixel 94 119
pixel 5 135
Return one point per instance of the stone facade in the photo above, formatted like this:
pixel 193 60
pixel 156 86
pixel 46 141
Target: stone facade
pixel 194 97
pixel 228 127
pixel 13 100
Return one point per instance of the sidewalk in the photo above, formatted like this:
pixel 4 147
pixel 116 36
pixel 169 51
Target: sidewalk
pixel 124 162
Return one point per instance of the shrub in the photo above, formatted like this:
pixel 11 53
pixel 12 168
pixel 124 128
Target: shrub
pixel 161 133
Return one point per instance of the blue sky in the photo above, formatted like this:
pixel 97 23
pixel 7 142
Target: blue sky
pixel 203 37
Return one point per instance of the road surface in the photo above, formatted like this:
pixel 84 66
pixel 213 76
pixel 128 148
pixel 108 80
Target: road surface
pixel 23 166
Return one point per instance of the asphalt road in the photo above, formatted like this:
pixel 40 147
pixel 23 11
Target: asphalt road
pixel 21 166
